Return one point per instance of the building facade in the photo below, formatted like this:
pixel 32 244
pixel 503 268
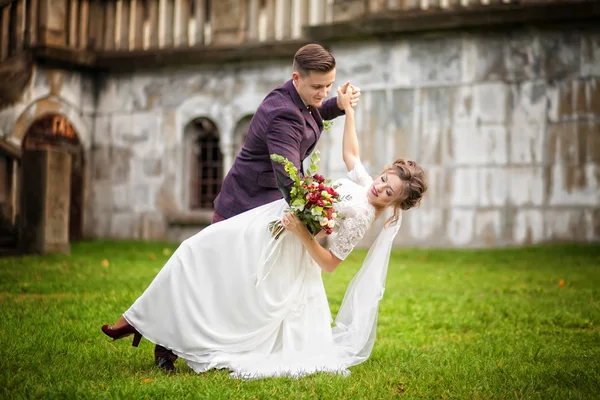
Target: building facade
pixel 499 102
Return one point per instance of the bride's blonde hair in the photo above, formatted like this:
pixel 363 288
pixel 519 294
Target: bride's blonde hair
pixel 415 185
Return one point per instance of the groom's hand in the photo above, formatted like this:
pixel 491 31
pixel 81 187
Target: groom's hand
pixel 353 99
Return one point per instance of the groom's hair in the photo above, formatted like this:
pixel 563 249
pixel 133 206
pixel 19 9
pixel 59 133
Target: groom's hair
pixel 313 57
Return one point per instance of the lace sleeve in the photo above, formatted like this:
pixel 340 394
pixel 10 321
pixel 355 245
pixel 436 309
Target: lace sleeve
pixel 360 175
pixel 352 229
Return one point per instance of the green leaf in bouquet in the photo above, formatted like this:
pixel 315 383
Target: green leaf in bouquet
pixel 316 210
pixel 314 163
pixel 298 202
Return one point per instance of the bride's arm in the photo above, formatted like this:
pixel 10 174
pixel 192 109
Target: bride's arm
pixel 324 258
pixel 350 149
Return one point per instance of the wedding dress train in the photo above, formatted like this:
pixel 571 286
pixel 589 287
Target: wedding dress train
pixel 233 297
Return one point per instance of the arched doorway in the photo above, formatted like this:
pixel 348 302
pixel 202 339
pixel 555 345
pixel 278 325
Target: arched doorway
pixel 53 134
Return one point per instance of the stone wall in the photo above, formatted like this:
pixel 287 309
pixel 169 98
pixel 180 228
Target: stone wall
pixel 507 125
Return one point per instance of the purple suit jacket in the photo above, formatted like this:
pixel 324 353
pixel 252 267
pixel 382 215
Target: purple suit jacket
pixel 282 125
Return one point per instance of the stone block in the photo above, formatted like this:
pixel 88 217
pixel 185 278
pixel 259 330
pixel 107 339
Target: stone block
pixel 428 224
pixel 122 198
pixel 120 162
pixel 367 65
pixel 527 142
pixel 439 59
pixel 102 130
pixel 566 143
pixel 490 101
pixel 527 227
pixel 460 227
pixel 488 228
pixel 439 187
pixel 99 226
pixel 465 187
pixel 102 164
pixel 101 198
pixel 480 145
pixel 462 105
pixel 560 54
pixel 590 53
pixel 526 186
pixel 523 56
pixel 151 226
pixel 488 54
pixel 404 71
pixel 568 100
pixel 404 120
pixel 528 101
pixel 592 97
pixel 142 197
pixel 88 95
pixel 152 167
pixel 435 111
pixel 138 131
pixel 377 130
pixel 571 185
pixel 590 132
pixel 492 186
pixel 120 94
pixel 122 226
pixel 565 225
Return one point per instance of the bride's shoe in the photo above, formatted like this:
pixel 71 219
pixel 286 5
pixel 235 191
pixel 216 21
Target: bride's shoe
pixel 122 332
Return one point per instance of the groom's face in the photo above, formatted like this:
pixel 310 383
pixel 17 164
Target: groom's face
pixel 314 87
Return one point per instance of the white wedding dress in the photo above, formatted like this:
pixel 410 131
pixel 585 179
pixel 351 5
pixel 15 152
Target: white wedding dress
pixel 233 297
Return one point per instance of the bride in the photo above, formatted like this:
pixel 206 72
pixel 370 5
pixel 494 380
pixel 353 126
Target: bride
pixel 233 297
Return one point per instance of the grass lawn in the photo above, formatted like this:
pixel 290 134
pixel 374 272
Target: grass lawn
pixel 511 323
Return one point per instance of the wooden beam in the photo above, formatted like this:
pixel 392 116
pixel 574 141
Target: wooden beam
pixel 5 33
pixel 151 26
pixel 122 25
pixel 136 25
pixel 73 23
pixel 200 17
pixel 32 22
pixel 84 17
pixel 96 27
pixel 181 22
pixel 109 25
pixel 137 60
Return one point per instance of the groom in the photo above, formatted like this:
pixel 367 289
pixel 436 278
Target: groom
pixel 288 122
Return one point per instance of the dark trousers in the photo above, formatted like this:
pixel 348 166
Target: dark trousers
pixel 160 351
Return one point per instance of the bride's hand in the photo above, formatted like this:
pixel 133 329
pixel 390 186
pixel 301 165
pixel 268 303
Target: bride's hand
pixel 293 224
pixel 344 97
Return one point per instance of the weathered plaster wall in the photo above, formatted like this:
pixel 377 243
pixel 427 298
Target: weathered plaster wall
pixel 506 124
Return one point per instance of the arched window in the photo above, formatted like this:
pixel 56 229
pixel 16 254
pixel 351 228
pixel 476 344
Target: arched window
pixel 204 161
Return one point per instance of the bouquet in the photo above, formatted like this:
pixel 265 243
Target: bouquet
pixel 311 198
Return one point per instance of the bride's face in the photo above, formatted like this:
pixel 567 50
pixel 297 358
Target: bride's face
pixel 386 189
